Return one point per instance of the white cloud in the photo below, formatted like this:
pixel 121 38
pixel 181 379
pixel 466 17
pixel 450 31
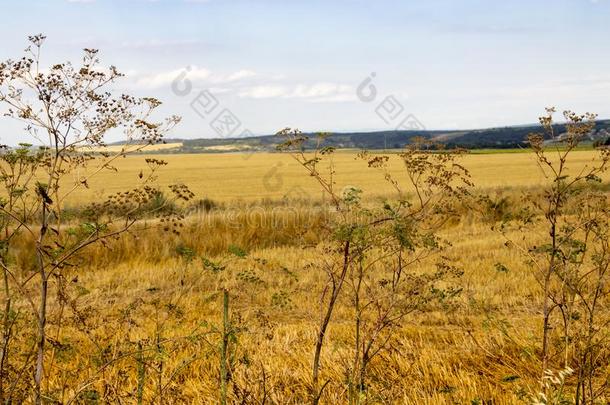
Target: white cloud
pixel 233 77
pixel 241 83
pixel 317 92
pixel 266 91
pixel 198 76
pixel 165 79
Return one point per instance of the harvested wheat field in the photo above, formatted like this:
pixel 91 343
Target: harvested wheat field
pixel 140 317
pixel 253 177
pixel 304 202
pixel 482 348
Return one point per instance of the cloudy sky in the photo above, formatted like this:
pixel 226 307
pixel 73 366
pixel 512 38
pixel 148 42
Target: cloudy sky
pixel 297 63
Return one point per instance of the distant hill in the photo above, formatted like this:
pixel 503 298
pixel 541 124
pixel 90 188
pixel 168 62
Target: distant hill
pixel 497 138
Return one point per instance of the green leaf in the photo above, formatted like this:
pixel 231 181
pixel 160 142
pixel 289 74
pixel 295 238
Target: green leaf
pixel 510 378
pixel 237 251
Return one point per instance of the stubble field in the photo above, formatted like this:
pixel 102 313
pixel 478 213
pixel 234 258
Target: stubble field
pixel 253 177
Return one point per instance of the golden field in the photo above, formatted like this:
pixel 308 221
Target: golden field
pixel 253 177
pixel 144 312
pixel 437 358
pixel 147 148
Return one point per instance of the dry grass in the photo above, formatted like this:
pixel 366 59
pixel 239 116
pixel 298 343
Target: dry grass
pixel 156 290
pixel 439 357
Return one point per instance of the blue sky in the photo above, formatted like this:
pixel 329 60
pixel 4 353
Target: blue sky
pixel 452 64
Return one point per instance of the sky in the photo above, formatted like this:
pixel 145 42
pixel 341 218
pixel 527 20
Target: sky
pixel 332 65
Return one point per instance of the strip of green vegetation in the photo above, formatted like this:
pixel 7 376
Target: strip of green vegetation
pixel 483 151
pixel 584 147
